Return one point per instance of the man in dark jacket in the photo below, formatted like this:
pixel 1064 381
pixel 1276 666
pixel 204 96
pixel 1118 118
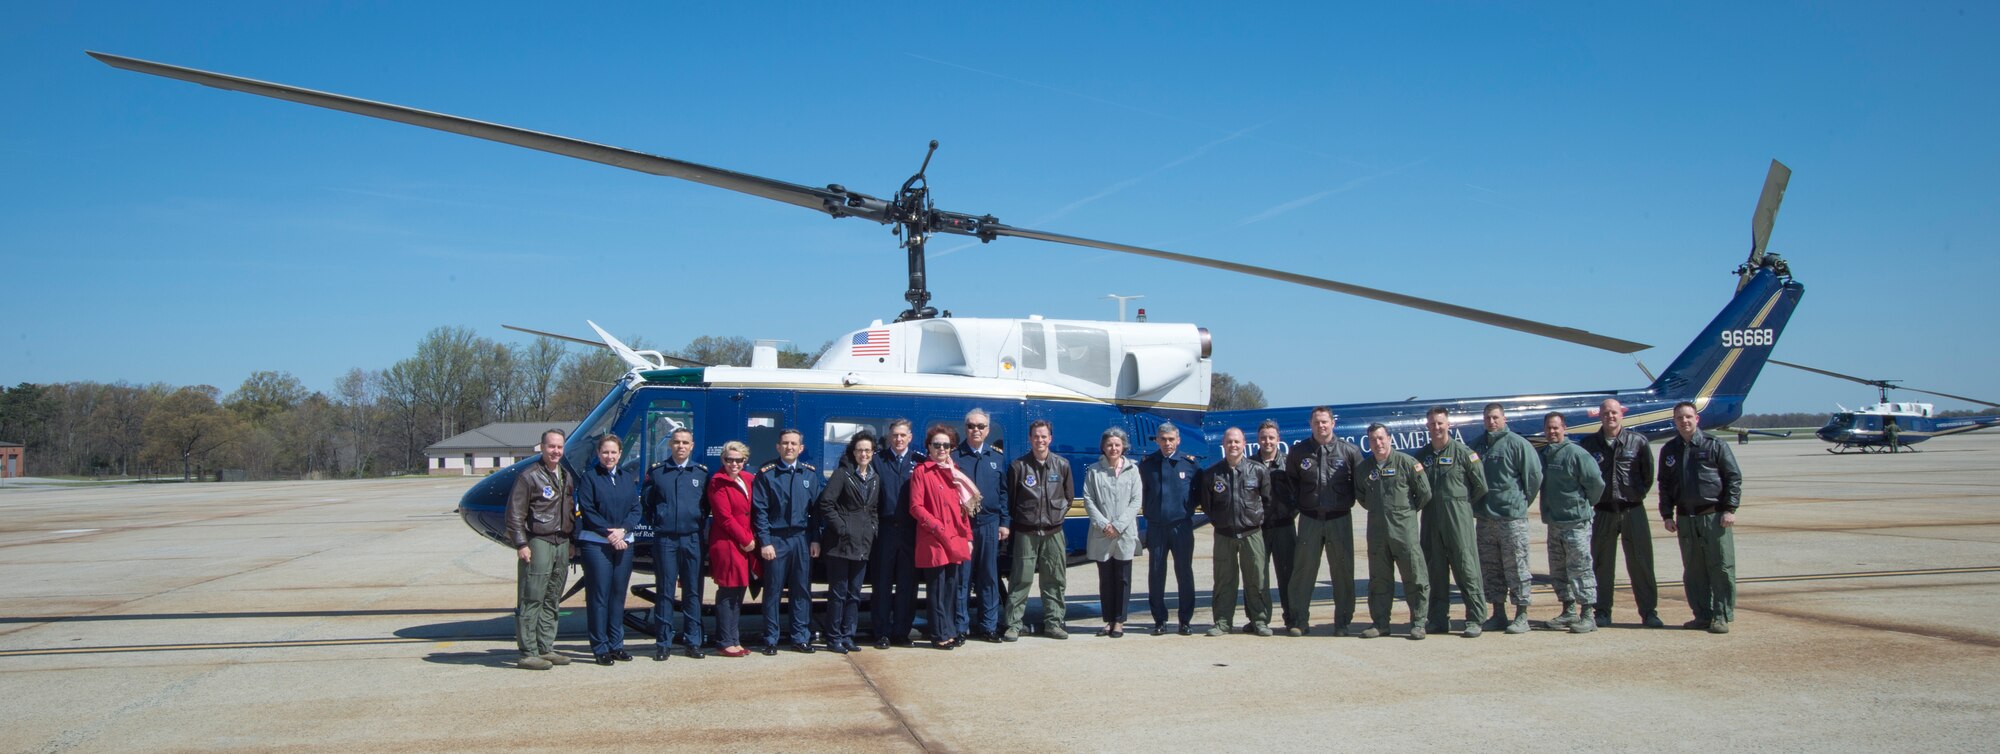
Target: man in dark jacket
pixel 892 567
pixel 1281 528
pixel 673 502
pixel 1039 488
pixel 1626 463
pixel 980 599
pixel 781 503
pixel 1700 490
pixel 540 518
pixel 1235 494
pixel 1165 476
pixel 1319 483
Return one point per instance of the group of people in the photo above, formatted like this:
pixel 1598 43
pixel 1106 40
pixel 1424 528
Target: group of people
pixel 892 515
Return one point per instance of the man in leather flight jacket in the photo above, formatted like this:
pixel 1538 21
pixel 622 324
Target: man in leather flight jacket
pixel 1235 493
pixel 1700 489
pixel 1319 484
pixel 540 517
pixel 1626 462
pixel 1039 490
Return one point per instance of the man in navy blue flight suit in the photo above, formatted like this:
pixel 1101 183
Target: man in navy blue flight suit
pixel 780 502
pixel 980 598
pixel 1165 476
pixel 892 567
pixel 673 505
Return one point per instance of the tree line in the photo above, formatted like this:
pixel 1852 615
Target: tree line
pixel 372 422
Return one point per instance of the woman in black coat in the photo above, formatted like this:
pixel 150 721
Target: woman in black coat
pixel 845 520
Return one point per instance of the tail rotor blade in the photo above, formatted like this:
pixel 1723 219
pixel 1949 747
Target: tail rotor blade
pixel 1767 209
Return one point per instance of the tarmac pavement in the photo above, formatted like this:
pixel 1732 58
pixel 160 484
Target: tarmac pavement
pixel 363 615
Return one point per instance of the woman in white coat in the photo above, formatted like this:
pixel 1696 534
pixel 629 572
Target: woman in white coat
pixel 1111 494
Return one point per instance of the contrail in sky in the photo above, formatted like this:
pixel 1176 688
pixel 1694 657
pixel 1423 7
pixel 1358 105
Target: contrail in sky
pixel 1350 185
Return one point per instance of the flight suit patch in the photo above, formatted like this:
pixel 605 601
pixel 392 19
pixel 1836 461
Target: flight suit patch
pixel 1444 460
pixel 1029 480
pixel 1221 486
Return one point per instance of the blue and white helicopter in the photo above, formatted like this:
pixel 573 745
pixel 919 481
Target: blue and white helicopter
pixel 1078 374
pixel 1866 429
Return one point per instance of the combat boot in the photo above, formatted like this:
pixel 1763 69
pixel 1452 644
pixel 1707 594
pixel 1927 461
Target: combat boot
pixel 1499 620
pixel 1566 619
pixel 1584 623
pixel 1519 625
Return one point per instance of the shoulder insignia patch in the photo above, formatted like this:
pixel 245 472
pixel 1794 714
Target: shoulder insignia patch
pixel 808 466
pixel 1420 468
pixel 1474 457
pixel 767 467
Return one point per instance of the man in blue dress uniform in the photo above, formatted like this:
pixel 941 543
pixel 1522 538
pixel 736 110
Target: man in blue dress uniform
pixel 673 505
pixel 780 502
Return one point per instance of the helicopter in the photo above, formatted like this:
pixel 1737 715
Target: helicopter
pixel 1868 429
pixel 930 368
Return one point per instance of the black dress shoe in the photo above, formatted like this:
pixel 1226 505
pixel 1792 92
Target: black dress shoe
pixel 882 643
pixel 804 648
pixel 694 652
pixel 990 638
pixel 1185 630
pixel 769 650
pixel 837 648
pixel 1159 629
pixel 661 654
pixel 604 660
pixel 621 655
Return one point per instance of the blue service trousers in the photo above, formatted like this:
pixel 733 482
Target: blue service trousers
pixel 607 571
pixel 892 571
pixel 1176 539
pixel 979 597
pixel 843 605
pixel 677 563
pixel 790 571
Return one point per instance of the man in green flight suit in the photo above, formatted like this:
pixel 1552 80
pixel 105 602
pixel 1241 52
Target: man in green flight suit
pixel 1700 490
pixel 1392 487
pixel 1450 548
pixel 1571 484
pixel 1513 479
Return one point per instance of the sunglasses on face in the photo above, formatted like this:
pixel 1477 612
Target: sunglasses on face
pixel 940 445
pixel 976 426
pixel 732 460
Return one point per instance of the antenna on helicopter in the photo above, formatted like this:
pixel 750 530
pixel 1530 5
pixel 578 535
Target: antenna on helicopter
pixel 1121 303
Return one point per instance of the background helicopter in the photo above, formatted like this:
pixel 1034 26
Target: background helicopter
pixel 1866 429
pixel 1081 375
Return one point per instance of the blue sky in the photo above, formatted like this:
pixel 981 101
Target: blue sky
pixel 1587 165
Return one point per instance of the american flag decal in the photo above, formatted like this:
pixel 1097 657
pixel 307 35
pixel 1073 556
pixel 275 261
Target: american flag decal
pixel 870 343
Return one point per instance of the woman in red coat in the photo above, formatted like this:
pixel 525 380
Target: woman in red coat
pixel 940 498
pixel 730 541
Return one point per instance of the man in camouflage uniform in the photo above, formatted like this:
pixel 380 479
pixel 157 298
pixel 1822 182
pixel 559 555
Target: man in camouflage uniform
pixel 1513 479
pixel 1450 546
pixel 1570 486
pixel 1392 487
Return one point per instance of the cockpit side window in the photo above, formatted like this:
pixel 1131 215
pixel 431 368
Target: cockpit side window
pixel 1034 346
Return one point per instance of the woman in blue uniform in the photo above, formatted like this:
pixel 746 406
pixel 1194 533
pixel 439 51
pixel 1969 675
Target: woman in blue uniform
pixel 607 503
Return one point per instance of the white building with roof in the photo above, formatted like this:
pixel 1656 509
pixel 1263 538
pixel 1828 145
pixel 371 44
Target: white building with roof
pixel 487 449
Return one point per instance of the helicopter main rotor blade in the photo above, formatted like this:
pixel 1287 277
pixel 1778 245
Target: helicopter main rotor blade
pixel 1884 384
pixel 1557 332
pixel 1835 375
pixel 832 200
pixel 818 199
